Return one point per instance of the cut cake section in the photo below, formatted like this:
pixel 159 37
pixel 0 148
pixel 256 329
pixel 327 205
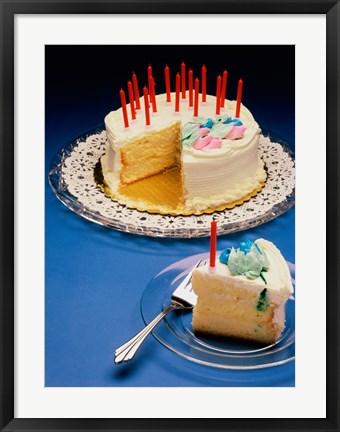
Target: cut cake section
pixel 151 154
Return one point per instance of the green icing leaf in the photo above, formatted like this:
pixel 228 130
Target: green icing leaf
pixel 220 130
pixel 191 139
pixel 263 278
pixel 252 263
pixel 234 261
pixel 263 301
pixel 188 129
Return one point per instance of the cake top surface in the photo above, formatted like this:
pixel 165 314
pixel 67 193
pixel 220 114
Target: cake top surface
pixel 259 265
pixel 166 116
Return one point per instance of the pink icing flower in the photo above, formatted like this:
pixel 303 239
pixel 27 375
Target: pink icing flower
pixel 203 131
pixel 201 142
pixel 236 132
pixel 213 144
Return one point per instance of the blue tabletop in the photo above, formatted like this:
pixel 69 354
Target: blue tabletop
pixel 95 276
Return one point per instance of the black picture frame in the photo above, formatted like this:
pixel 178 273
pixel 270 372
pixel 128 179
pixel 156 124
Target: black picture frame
pixel 8 10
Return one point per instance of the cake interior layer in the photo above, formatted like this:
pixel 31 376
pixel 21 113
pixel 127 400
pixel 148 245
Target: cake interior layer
pixel 229 327
pixel 235 309
pixel 150 155
pixel 237 318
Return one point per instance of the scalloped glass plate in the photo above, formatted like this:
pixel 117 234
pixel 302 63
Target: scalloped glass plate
pixel 71 177
pixel 176 334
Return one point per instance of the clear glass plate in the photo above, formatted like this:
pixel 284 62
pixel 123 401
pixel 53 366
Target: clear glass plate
pixel 71 177
pixel 175 331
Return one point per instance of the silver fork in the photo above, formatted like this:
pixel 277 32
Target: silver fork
pixel 182 298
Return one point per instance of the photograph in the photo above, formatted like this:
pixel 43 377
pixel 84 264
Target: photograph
pixel 169 215
pixel 184 158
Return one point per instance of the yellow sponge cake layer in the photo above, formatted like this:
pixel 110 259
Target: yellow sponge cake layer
pixel 244 322
pixel 151 154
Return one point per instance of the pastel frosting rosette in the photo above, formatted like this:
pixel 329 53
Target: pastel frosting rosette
pixel 247 260
pixel 207 134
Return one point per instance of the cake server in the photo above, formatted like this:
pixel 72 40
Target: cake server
pixel 182 298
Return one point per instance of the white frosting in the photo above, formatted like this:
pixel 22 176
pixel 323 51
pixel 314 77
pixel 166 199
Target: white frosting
pixel 279 285
pixel 211 178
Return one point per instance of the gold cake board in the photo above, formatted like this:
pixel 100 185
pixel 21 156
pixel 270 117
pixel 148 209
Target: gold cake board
pixel 160 194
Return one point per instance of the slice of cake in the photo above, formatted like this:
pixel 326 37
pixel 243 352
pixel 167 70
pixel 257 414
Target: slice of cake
pixel 245 294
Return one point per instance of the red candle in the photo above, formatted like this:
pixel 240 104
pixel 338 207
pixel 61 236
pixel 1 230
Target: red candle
pixel 224 88
pixel 146 106
pixel 149 70
pixel 132 102
pixel 178 85
pixel 152 93
pixel 218 95
pixel 239 98
pixel 167 83
pixel 183 80
pixel 191 90
pixel 123 102
pixel 204 84
pixel 213 238
pixel 197 88
pixel 136 91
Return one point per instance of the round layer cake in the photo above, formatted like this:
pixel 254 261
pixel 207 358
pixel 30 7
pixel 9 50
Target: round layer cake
pixel 216 155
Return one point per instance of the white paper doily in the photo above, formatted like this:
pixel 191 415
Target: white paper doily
pixel 71 177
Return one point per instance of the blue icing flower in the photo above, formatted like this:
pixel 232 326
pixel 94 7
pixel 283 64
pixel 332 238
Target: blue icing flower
pixel 224 257
pixel 246 246
pixel 236 122
pixel 207 124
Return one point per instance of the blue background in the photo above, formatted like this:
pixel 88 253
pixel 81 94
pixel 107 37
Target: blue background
pixel 94 277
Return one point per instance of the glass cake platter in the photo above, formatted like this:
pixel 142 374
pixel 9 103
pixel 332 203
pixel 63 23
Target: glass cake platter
pixel 71 177
pixel 176 334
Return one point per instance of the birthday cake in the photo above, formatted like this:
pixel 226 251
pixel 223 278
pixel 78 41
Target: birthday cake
pixel 209 142
pixel 244 295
